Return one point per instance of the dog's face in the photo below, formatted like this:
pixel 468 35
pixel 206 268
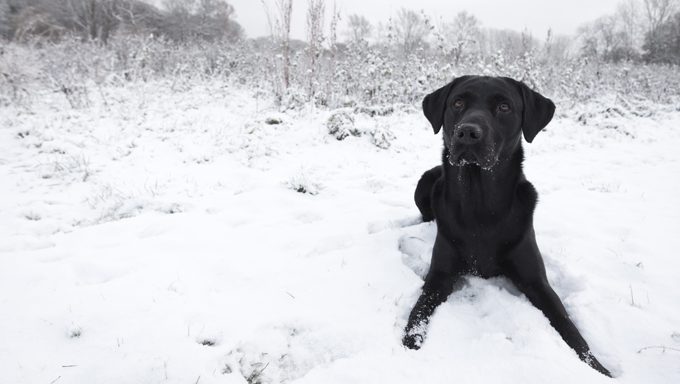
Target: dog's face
pixel 484 118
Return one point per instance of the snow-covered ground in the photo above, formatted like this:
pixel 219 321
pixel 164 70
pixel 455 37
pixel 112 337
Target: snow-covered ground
pixel 159 236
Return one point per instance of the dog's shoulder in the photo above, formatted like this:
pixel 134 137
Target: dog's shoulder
pixel 527 194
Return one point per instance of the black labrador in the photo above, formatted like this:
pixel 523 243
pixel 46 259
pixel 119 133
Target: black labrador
pixel 482 202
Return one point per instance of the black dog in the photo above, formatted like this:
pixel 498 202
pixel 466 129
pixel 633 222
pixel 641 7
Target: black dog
pixel 482 202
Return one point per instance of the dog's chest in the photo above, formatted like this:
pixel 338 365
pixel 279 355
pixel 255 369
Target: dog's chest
pixel 481 258
pixel 483 231
pixel 481 249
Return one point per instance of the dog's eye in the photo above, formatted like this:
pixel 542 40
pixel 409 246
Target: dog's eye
pixel 458 103
pixel 503 107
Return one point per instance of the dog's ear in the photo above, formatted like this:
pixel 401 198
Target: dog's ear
pixel 537 113
pixel 434 104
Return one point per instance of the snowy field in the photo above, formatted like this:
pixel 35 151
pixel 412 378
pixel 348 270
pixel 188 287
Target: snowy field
pixel 159 236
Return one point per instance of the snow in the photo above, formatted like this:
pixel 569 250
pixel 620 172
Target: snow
pixel 158 236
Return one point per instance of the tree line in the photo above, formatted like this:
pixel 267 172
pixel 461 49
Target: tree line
pixel 98 20
pixel 638 30
pixel 343 61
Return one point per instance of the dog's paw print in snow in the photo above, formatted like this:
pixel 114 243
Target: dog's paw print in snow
pixel 285 353
pixel 416 248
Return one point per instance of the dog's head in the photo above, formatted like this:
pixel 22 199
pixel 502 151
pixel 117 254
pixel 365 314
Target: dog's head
pixel 484 117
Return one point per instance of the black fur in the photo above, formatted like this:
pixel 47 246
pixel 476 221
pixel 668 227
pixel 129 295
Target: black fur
pixel 482 202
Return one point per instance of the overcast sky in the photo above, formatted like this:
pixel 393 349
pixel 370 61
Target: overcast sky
pixel 563 16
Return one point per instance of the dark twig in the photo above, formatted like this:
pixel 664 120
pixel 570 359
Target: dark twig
pixel 663 348
pixel 256 375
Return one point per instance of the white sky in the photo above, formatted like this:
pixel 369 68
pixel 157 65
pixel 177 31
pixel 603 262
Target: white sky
pixel 563 16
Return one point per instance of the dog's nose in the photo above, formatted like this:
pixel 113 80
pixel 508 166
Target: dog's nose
pixel 467 133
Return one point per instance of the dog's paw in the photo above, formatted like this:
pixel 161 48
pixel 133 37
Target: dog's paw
pixel 412 341
pixel 589 359
pixel 413 337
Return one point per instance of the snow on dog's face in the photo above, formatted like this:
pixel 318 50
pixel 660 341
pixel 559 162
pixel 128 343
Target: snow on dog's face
pixel 483 118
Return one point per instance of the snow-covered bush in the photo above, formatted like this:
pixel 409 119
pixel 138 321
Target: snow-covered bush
pixel 293 99
pixel 340 124
pixel 382 136
pixel 301 182
pixel 17 78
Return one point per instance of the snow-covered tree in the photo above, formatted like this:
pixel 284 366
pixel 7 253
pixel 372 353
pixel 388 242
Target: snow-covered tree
pixel 279 21
pixel 5 28
pixel 663 46
pixel 658 12
pixel 460 37
pixel 316 11
pixel 358 28
pixel 410 29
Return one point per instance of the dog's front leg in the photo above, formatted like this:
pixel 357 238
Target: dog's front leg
pixel 527 271
pixel 439 282
pixel 435 292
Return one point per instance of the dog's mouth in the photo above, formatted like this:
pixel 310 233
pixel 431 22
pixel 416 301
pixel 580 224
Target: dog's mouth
pixel 471 158
pixel 463 159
